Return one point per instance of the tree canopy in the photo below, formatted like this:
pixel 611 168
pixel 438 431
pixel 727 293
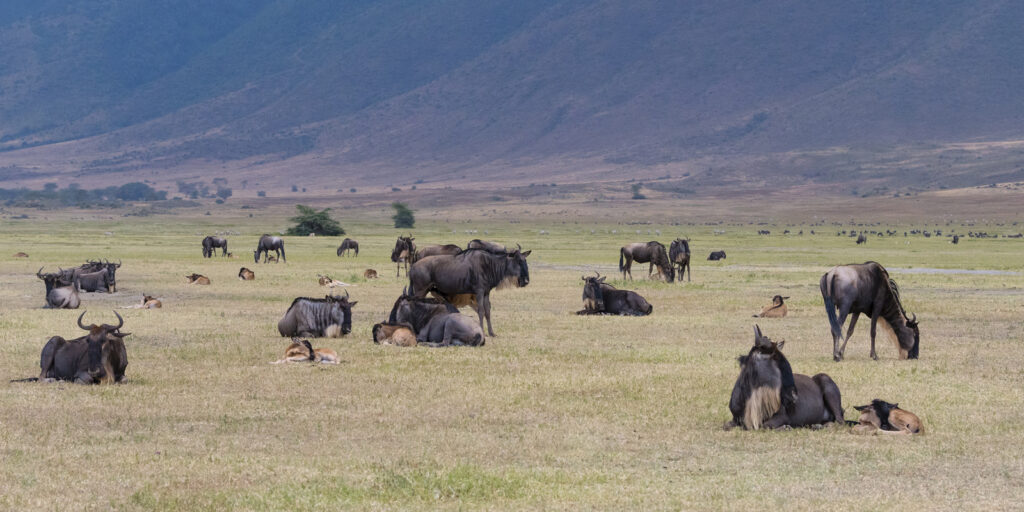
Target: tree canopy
pixel 309 221
pixel 403 216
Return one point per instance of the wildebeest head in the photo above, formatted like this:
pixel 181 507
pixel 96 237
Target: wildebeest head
pixel 915 350
pixel 51 280
pixel 417 312
pixel 99 337
pixel 340 304
pixel 593 298
pixel 517 272
pixel 778 300
pixel 765 381
pixel 404 249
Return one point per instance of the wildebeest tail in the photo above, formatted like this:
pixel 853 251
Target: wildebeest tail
pixel 621 264
pixel 830 306
pixel 30 379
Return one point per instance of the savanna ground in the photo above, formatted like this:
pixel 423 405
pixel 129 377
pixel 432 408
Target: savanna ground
pixel 557 412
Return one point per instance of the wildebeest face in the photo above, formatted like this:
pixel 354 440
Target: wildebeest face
pixel 256 256
pixel 515 266
pixel 403 248
pixel 341 311
pixel 97 340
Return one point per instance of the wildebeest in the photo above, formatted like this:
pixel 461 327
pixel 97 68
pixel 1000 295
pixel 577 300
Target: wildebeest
pixel 679 255
pixel 20 255
pixel 602 298
pixel 956 240
pixel 197 279
pixel 777 309
pixel 417 312
pixel 861 239
pixel 210 245
pixel 99 357
pixel 148 302
pixel 474 272
pixel 348 245
pixel 58 294
pixel 302 350
pixel 866 288
pixel 269 243
pixel 881 417
pixel 436 250
pixel 329 317
pixel 401 335
pixel 403 254
pixel 98 281
pixel 329 282
pixel 370 274
pixel 485 245
pixel 246 275
pixel 451 329
pixel 717 255
pixel 768 394
pixel 652 252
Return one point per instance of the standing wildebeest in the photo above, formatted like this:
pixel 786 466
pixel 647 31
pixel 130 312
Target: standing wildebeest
pixel 329 317
pixel 861 239
pixel 602 298
pixel 768 394
pixel 474 272
pixel 403 253
pixel 58 294
pixel 417 312
pixel 210 245
pixel 956 240
pixel 717 255
pixel 679 254
pixel 777 309
pixel 485 245
pixel 346 245
pixel 99 357
pixel 866 288
pixel 650 252
pixel 246 275
pixel 269 243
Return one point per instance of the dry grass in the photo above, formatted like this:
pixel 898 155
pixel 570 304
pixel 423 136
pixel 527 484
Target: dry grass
pixel 557 412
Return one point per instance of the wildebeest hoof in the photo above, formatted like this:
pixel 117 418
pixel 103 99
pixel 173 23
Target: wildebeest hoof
pixel 816 426
pixel 729 425
pixel 784 427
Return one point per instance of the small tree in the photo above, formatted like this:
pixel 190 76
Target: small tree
pixel 403 216
pixel 311 221
pixel 636 192
pixel 223 192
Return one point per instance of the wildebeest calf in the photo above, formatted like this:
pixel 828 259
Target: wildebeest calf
pixel 301 350
pixel 197 279
pixel 777 309
pixel 401 335
pixel 881 417
pixel 370 274
pixel 20 255
pixel 246 275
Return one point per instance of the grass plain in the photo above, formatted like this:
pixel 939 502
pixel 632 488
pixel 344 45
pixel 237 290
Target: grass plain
pixel 556 412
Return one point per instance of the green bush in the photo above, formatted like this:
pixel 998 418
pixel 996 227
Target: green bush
pixel 403 216
pixel 311 221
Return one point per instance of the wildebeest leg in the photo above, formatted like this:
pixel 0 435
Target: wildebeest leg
pixel 46 360
pixel 849 332
pixel 83 378
pixel 778 420
pixel 830 393
pixel 485 311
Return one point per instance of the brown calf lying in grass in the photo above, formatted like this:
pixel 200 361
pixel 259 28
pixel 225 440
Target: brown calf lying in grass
pixel 246 275
pixel 302 351
pixel 147 303
pixel 777 309
pixel 370 274
pixel 197 279
pixel 881 417
pixel 20 255
pixel 329 282
pixel 400 335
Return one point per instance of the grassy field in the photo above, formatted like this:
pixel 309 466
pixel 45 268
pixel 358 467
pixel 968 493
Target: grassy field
pixel 557 412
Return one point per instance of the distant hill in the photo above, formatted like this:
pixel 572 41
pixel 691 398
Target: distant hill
pixel 397 91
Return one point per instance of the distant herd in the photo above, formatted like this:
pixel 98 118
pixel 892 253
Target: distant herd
pixel 767 394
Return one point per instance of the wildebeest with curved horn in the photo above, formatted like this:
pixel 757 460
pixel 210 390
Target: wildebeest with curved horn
pixel 403 253
pixel 602 298
pixel 485 245
pixel 348 245
pixel 474 272
pixel 679 255
pixel 867 288
pixel 652 252
pixel 768 394
pixel 58 294
pixel 307 317
pixel 210 245
pixel 269 243
pixel 99 357
pixel 716 255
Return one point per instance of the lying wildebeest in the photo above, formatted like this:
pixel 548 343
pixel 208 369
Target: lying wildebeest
pixel 717 255
pixel 777 309
pixel 602 298
pixel 269 243
pixel 246 275
pixel 329 282
pixel 451 329
pixel 99 357
pixel 58 294
pixel 861 239
pixel 210 245
pixel 474 271
pixel 20 255
pixel 302 350
pixel 370 274
pixel 646 252
pixel 768 394
pixel 679 255
pixel 881 417
pixel 485 245
pixel 148 302
pixel 403 253
pixel 97 276
pixel 866 288
pixel 401 335
pixel 417 312
pixel 307 317
pixel 197 279
pixel 348 245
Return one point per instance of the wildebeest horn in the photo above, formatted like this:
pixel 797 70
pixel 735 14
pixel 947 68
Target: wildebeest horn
pixel 80 320
pixel 39 272
pixel 914 319
pixel 346 294
pixel 120 321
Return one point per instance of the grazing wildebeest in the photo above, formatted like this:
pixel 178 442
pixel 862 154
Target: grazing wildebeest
pixel 417 312
pixel 451 328
pixel 20 255
pixel 210 245
pixel 768 394
pixel 861 239
pixel 679 255
pixel 485 245
pixel 602 298
pixel 403 253
pixel 474 272
pixel 58 294
pixel 717 255
pixel 866 288
pixel 646 252
pixel 302 350
pixel 401 335
pixel 99 357
pixel 348 245
pixel 881 417
pixel 246 275
pixel 777 309
pixel 269 243
pixel 329 317
pixel 197 279
pixel 370 274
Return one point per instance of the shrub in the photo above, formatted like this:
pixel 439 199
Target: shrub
pixel 311 221
pixel 403 216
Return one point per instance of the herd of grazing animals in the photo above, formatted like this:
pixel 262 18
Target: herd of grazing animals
pixel 767 393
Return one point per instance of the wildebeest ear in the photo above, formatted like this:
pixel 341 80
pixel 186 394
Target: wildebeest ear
pixel 778 346
pixel 786 298
pixel 602 279
pixel 120 334
pixel 353 303
pixel 527 253
pixel 862 407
